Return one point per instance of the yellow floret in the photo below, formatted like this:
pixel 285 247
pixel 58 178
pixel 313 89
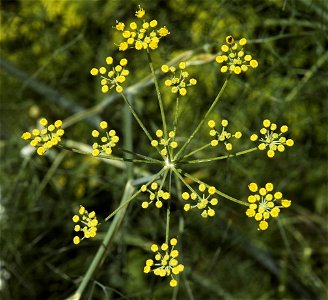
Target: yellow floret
pixel 173 144
pixel 278 195
pixel 119 89
pixel 266 123
pixel 185 196
pixel 173 241
pixel 140 13
pixel 26 135
pixel 285 203
pixel 123 46
pixel 253 63
pixel 163 31
pixel 263 225
pixel 211 190
pixel 186 207
pixel 253 187
pixel 164 246
pixel 109 60
pixel 182 65
pixel 269 186
pixel 290 142
pixel 224 69
pixel 133 25
pixel 237 70
pixel 120 26
pixel 105 88
pixel 224 48
pixel 242 42
pixel 271 153
pixel 193 81
pixel 94 71
pixel 214 143
pixel 144 204
pixel 183 92
pixel 238 135
pixel 228 146
pixel 224 123
pixel 284 129
pixel 153 23
pixel 202 187
pixel 95 152
pixel 76 240
pixel 159 133
pixel 211 123
pixel 41 150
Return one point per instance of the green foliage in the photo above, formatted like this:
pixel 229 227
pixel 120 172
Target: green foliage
pixel 48 49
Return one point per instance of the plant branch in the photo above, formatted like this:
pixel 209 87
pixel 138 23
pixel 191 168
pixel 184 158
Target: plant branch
pixel 159 96
pixel 177 156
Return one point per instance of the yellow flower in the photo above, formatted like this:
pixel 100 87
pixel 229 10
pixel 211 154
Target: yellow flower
pixel 272 141
pixel 165 262
pixel 178 83
pixel 166 144
pixel 265 204
pixel 106 142
pixel 114 77
pixel 89 224
pixel 223 135
pixel 234 58
pixel 140 13
pixel 202 202
pixel 46 138
pixel 156 195
pixel 120 26
pixel 142 35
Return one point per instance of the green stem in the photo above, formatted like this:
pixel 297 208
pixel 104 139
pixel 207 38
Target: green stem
pixel 197 150
pixel 154 160
pixel 111 157
pixel 204 160
pixel 177 156
pixel 175 123
pixel 159 96
pixel 168 213
pixel 134 113
pixel 184 182
pixel 163 179
pixel 217 192
pixel 128 139
pixel 134 195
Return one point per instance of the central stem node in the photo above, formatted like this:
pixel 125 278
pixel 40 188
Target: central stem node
pixel 169 164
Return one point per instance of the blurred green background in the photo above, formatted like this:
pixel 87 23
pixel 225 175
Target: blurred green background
pixel 47 50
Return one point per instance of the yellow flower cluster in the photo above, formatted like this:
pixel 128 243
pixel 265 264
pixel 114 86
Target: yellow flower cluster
pixel 166 143
pixel 263 204
pixel 222 136
pixel 165 262
pixel 114 77
pixel 203 202
pixel 234 60
pixel 45 138
pixel 178 84
pixel 141 36
pixel 154 194
pixel 272 140
pixel 88 224
pixel 108 141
